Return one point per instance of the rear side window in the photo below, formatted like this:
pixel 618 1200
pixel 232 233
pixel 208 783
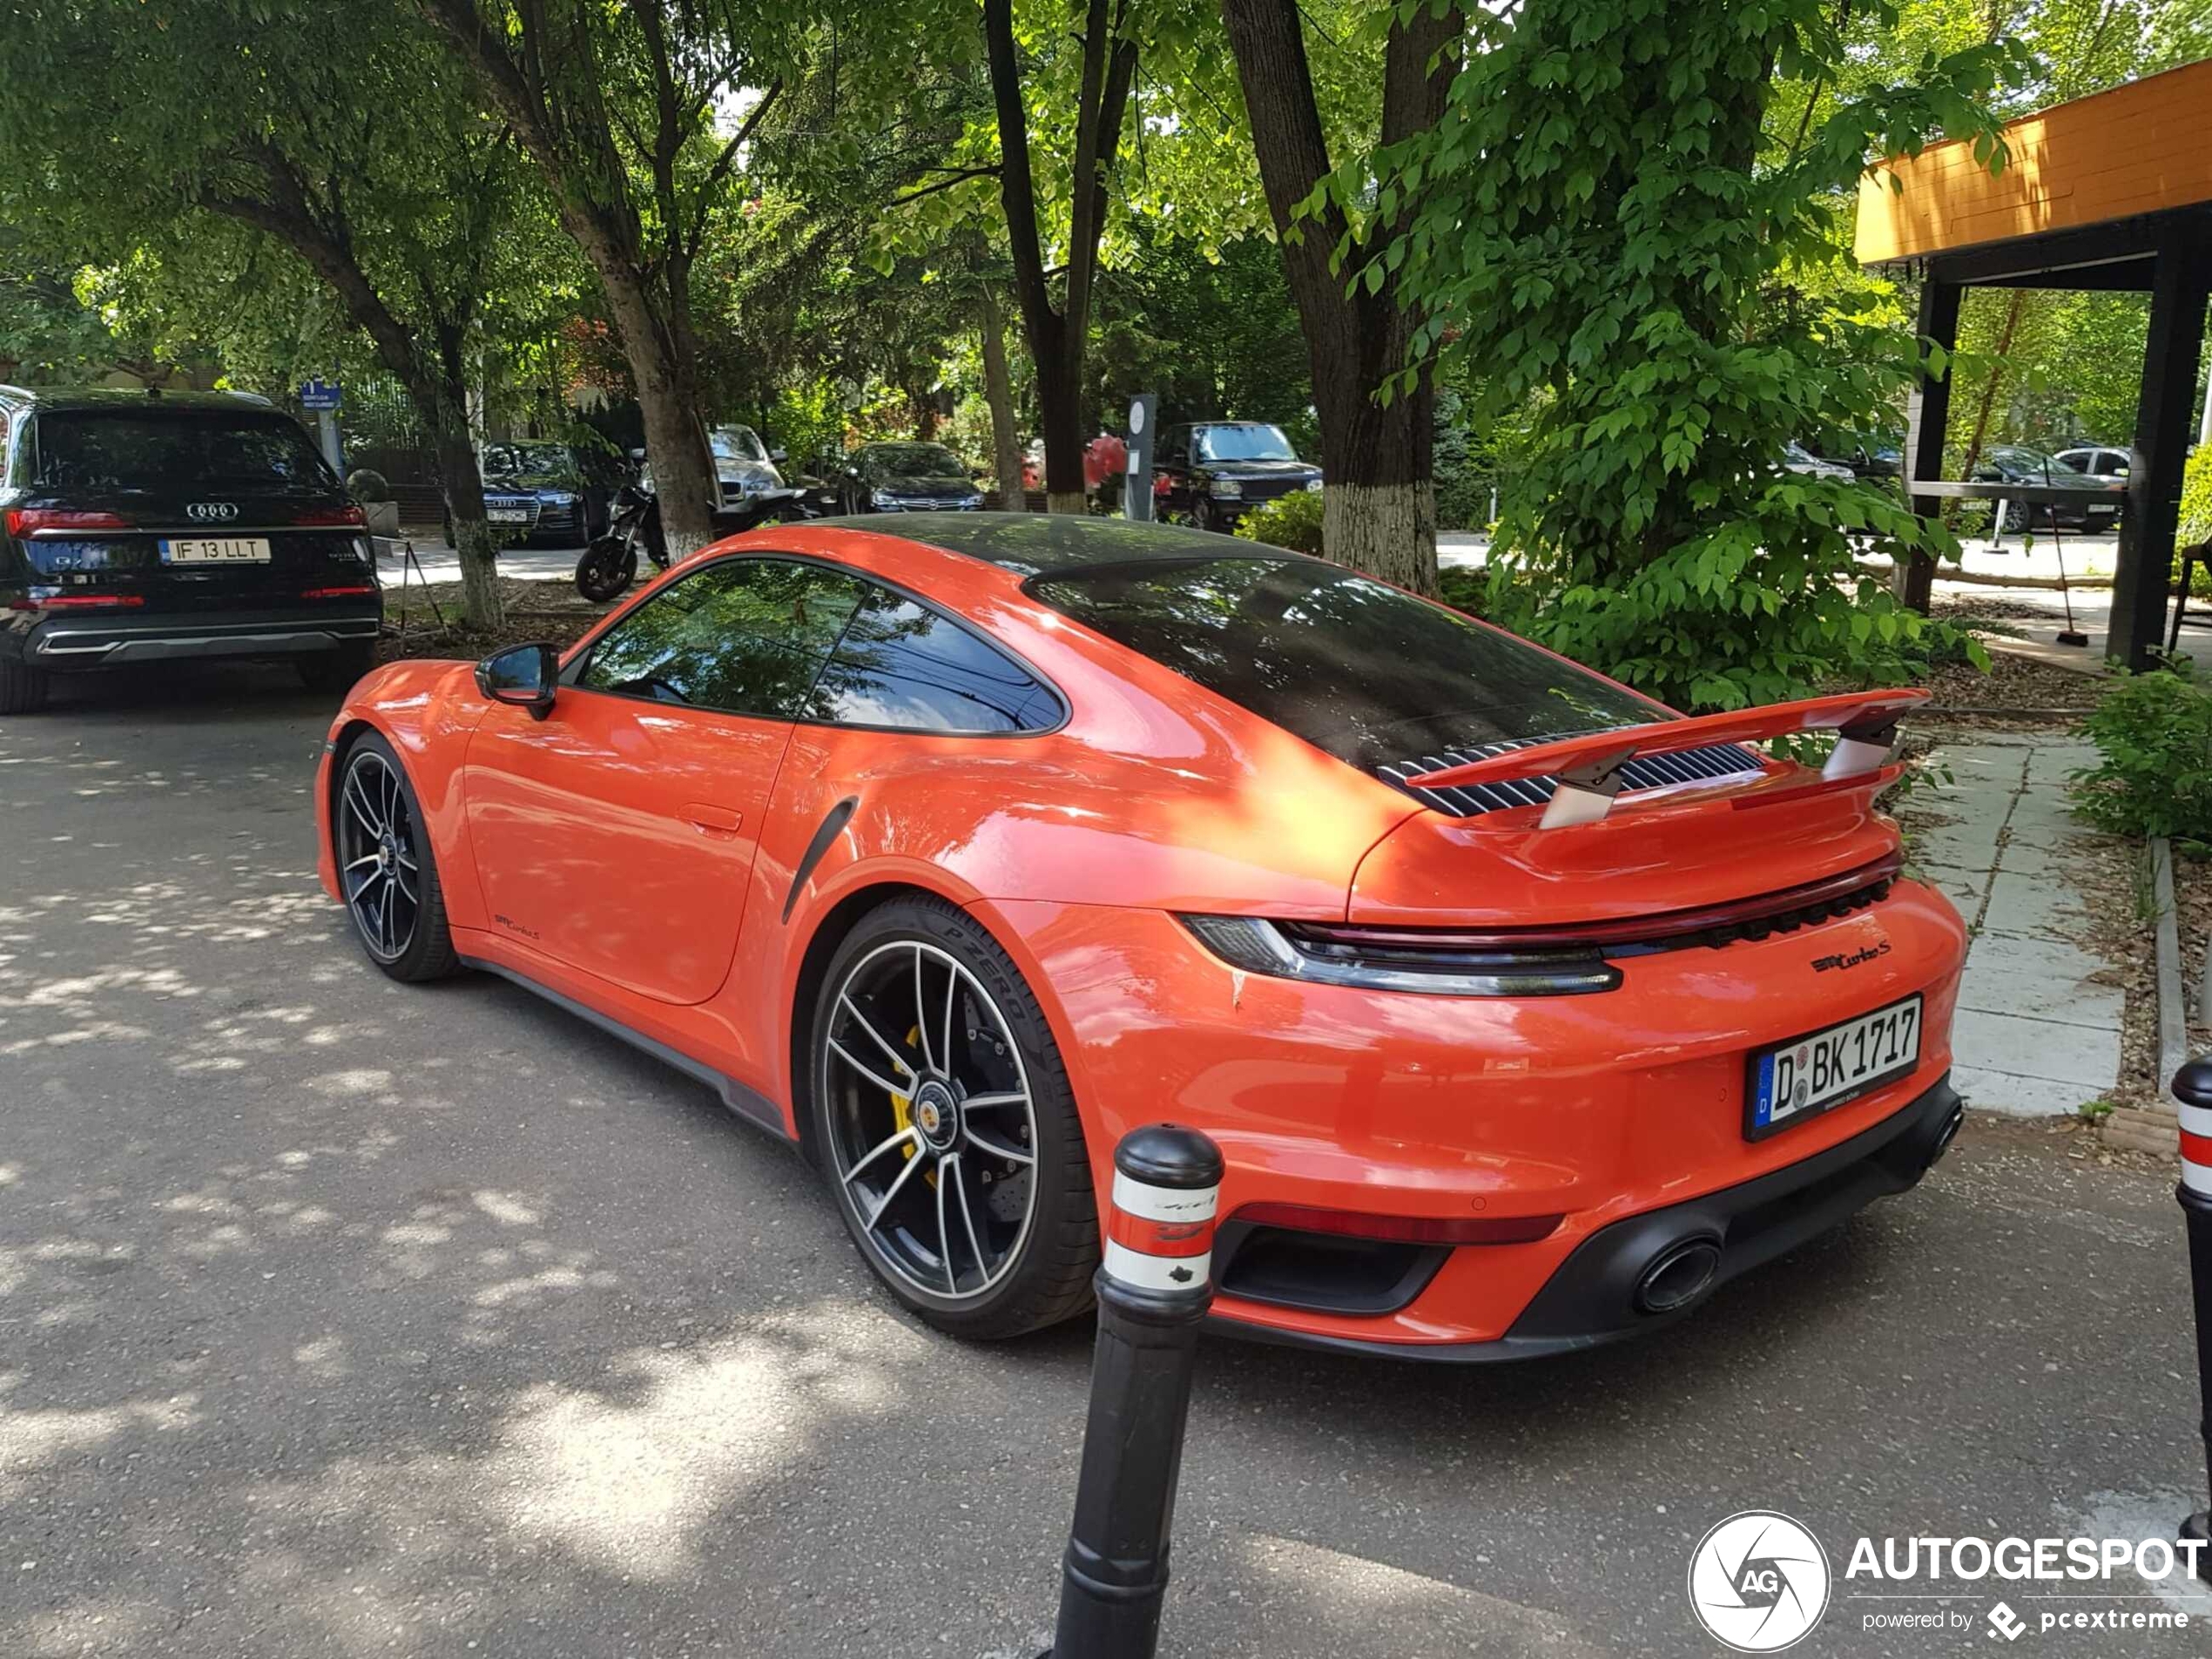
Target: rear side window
pixel 903 665
pixel 1360 670
pixel 130 451
pixel 742 635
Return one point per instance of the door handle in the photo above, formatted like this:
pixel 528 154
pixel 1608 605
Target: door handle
pixel 718 821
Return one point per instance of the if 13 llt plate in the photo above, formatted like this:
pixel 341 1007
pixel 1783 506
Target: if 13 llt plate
pixel 1807 1075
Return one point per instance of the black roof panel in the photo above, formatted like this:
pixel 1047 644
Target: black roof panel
pixel 108 397
pixel 1033 543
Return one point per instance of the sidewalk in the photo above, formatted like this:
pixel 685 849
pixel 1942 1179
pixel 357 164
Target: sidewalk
pixel 2039 1011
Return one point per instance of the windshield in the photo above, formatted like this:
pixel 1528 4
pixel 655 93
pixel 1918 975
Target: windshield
pixel 913 461
pixel 736 443
pixel 1365 672
pixel 1243 443
pixel 534 463
pixel 194 452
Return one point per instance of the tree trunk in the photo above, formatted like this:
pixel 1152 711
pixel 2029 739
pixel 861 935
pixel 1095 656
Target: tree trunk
pixel 473 539
pixel 1386 530
pixel 998 393
pixel 1378 514
pixel 683 477
pixel 1058 338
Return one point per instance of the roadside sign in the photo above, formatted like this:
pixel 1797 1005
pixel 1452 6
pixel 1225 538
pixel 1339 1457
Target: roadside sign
pixel 320 394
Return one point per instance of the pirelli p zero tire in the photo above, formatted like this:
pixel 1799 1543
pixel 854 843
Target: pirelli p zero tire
pixel 948 1130
pixel 22 688
pixel 385 869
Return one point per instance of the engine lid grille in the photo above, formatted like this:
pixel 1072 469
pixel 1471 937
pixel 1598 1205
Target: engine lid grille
pixel 1646 772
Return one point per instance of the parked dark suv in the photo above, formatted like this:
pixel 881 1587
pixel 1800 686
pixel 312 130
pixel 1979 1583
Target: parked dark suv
pixel 1209 472
pixel 141 527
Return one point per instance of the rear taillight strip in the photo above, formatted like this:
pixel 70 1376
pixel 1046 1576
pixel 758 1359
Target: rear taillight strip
pixel 1633 930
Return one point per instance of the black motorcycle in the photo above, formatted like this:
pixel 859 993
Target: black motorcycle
pixel 609 564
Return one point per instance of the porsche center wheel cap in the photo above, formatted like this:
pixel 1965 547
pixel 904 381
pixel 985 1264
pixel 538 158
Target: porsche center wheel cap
pixel 936 1116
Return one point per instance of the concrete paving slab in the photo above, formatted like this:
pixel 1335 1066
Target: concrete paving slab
pixel 2022 904
pixel 2042 978
pixel 2018 1096
pixel 1965 888
pixel 2029 1046
pixel 1971 846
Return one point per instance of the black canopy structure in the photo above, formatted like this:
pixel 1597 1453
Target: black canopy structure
pixel 2111 193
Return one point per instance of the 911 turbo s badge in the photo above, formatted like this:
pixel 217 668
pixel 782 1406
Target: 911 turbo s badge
pixel 1822 964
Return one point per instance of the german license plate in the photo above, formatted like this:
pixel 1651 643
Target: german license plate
pixel 506 514
pixel 1822 1070
pixel 215 549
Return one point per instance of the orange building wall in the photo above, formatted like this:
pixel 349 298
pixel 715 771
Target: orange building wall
pixel 2136 149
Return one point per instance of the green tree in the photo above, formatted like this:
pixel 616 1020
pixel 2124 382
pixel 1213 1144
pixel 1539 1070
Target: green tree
pixel 1594 228
pixel 1336 231
pixel 369 171
pixel 623 108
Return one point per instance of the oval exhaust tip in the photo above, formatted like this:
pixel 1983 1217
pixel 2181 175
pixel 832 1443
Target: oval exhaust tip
pixel 1678 1275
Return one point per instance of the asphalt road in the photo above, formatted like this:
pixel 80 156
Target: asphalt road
pixel 342 1319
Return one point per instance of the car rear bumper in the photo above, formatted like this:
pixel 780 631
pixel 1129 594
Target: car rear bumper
pixel 65 644
pixel 1595 1297
pixel 1412 1114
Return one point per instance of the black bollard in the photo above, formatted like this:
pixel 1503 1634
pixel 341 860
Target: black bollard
pixel 2193 1088
pixel 1154 1288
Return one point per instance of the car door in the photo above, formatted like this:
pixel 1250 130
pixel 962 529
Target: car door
pixel 617 834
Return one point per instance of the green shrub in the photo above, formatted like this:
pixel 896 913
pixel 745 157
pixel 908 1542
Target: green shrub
pixel 1462 588
pixel 365 484
pixel 2153 733
pixel 1293 520
pixel 2195 520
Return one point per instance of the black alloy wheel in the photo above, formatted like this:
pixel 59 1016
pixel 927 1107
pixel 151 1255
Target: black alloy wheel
pixel 946 1127
pixel 386 869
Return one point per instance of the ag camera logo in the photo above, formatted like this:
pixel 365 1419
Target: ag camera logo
pixel 1758 1582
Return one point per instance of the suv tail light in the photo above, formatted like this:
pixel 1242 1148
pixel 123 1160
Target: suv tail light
pixel 24 521
pixel 80 602
pixel 335 518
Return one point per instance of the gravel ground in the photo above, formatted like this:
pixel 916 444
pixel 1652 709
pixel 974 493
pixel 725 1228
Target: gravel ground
pixel 341 1318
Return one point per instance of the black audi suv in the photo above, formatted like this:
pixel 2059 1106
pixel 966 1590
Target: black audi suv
pixel 147 527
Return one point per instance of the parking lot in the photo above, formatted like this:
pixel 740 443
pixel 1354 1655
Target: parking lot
pixel 338 1317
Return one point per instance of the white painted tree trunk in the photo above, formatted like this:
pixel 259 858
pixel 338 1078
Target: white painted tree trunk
pixel 1385 530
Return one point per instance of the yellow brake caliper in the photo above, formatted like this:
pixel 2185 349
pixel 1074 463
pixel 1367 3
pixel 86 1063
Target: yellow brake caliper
pixel 902 1113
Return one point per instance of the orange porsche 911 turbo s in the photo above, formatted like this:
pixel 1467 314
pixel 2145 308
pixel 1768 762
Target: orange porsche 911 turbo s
pixel 1524 1010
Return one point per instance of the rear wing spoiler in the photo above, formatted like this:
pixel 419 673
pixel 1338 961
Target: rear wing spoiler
pixel 1588 768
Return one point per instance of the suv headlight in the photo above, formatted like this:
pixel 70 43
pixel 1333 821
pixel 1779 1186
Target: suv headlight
pixel 1224 489
pixel 882 498
pixel 1398 961
pixel 1313 483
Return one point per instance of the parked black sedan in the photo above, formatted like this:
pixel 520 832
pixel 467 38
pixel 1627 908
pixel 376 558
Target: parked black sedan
pixel 541 490
pixel 1211 471
pixel 907 478
pixel 2012 463
pixel 145 527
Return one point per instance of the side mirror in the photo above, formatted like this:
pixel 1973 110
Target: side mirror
pixel 780 455
pixel 524 676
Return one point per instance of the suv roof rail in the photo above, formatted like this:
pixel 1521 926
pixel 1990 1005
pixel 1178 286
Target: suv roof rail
pixel 23 392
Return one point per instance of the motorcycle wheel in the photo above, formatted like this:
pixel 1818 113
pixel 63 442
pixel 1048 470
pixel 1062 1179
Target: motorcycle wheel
pixel 605 570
